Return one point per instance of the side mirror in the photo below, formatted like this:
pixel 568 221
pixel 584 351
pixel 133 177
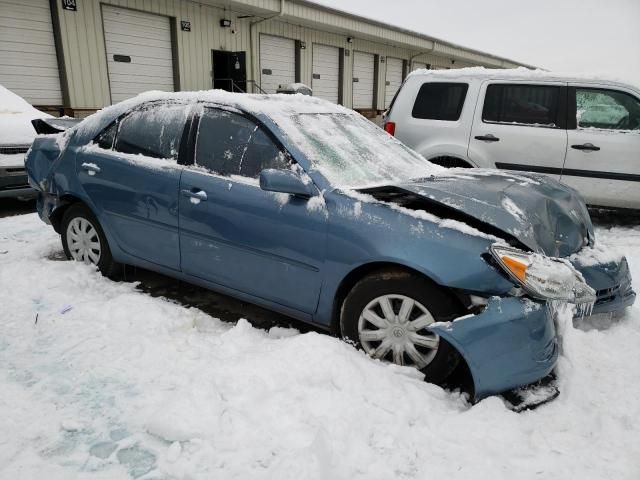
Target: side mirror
pixel 285 181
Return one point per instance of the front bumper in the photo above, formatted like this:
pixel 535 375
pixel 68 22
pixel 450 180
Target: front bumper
pixel 14 183
pixel 612 283
pixel 511 343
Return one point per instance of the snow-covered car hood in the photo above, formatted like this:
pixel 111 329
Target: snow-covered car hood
pixel 539 212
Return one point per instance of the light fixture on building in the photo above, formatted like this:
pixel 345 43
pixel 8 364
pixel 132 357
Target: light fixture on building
pixel 237 64
pixel 225 22
pixel 349 39
pixel 303 45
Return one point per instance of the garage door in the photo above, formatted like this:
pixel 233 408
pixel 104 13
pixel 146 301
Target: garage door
pixel 363 83
pixel 277 62
pixel 326 72
pixel 418 65
pixel 139 54
pixel 393 79
pixel 28 63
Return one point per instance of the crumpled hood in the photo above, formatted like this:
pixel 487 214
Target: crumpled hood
pixel 539 212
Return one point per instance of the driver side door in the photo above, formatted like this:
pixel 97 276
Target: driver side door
pixel 603 151
pixel 233 233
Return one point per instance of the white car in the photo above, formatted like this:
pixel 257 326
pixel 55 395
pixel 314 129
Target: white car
pixel 583 132
pixel 16 135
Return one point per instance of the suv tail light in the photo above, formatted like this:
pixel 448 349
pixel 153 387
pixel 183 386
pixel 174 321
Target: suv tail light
pixel 390 128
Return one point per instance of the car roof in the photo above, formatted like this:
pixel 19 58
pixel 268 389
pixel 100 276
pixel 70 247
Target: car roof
pixel 519 73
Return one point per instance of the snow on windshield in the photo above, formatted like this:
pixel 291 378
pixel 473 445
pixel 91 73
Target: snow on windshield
pixel 350 151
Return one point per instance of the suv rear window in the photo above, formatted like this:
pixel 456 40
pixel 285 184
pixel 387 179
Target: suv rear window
pixel 522 104
pixel 440 101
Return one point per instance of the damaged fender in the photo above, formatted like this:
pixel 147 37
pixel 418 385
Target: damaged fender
pixel 511 343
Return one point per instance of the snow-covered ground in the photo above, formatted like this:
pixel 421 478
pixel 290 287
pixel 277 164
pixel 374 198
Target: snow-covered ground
pixel 124 385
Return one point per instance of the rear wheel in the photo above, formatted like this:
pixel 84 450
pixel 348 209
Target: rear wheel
pixel 83 240
pixel 387 315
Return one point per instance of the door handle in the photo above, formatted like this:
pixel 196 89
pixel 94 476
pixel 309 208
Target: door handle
pixel 91 168
pixel 195 195
pixel 589 147
pixel 487 138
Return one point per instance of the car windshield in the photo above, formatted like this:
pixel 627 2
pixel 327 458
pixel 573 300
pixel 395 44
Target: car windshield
pixel 350 151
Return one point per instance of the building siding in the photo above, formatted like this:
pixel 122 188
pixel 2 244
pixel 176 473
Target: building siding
pixel 85 64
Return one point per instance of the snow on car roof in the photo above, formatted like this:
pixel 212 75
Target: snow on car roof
pixel 520 73
pixel 270 105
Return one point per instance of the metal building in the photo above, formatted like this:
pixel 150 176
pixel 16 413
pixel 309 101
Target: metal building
pixel 76 56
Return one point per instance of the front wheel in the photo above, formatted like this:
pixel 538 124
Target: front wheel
pixel 387 315
pixel 83 240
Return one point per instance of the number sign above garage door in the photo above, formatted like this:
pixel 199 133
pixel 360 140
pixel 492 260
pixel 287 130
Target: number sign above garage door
pixel 139 52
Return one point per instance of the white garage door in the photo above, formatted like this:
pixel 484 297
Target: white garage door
pixel 393 79
pixel 326 72
pixel 363 83
pixel 139 56
pixel 28 63
pixel 418 65
pixel 277 62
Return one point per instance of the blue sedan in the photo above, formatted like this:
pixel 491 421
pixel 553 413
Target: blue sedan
pixel 308 209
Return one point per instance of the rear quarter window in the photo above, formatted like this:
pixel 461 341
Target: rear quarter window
pixel 440 101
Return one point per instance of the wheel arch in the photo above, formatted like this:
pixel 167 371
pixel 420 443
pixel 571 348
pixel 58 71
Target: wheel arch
pixel 361 271
pixel 65 201
pixel 452 161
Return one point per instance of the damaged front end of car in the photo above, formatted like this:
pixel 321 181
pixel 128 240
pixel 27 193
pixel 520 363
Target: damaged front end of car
pixel 540 228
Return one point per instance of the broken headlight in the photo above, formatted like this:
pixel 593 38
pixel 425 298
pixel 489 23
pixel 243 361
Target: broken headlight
pixel 544 277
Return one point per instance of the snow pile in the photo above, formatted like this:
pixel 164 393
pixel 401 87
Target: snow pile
pixel 124 385
pixel 15 119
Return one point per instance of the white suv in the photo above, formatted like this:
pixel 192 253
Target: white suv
pixel 583 132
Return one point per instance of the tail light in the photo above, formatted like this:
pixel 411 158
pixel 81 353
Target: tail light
pixel 390 128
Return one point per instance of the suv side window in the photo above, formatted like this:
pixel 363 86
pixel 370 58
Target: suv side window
pixel 606 109
pixel 154 131
pixel 440 101
pixel 534 105
pixel 230 144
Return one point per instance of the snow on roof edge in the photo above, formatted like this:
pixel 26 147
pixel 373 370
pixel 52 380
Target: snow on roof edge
pixel 522 73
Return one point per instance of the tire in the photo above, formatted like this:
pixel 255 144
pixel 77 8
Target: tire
pixel 77 217
pixel 431 303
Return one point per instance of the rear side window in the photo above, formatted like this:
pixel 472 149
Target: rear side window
pixel 537 105
pixel 440 101
pixel 230 144
pixel 154 131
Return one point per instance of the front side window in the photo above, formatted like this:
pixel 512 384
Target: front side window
pixel 535 105
pixel 230 144
pixel 607 109
pixel 440 101
pixel 154 131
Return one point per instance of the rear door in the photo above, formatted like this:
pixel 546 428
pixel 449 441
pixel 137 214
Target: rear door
pixel 131 177
pixel 520 126
pixel 235 234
